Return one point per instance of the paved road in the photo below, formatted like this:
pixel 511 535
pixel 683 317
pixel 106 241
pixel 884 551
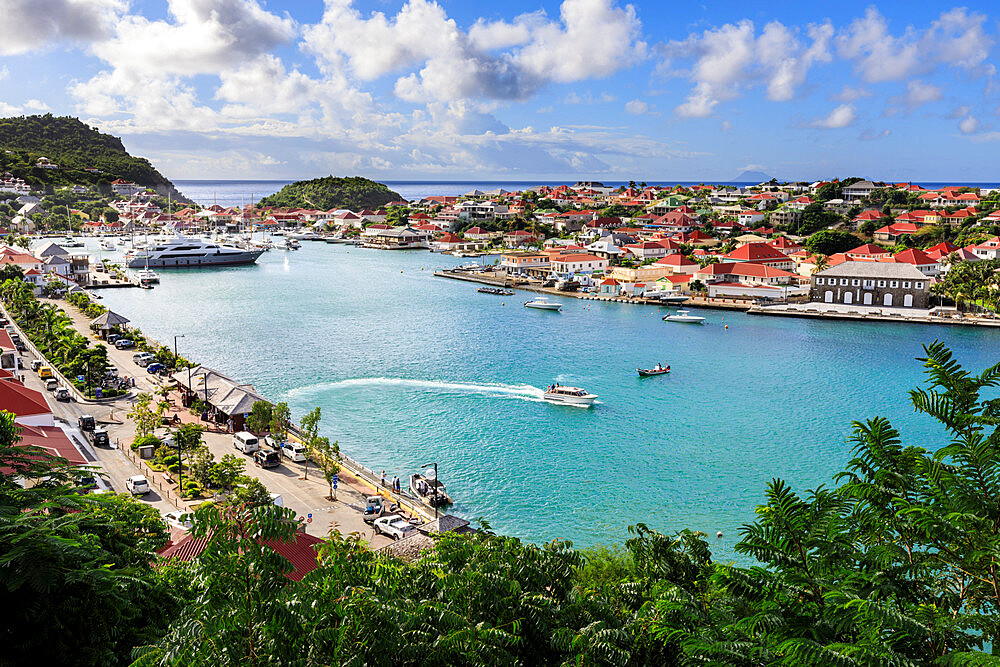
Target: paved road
pixel 304 496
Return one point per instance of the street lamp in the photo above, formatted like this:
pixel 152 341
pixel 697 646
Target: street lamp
pixel 180 449
pixel 435 486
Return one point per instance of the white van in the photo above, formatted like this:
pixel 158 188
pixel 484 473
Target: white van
pixel 294 451
pixel 245 442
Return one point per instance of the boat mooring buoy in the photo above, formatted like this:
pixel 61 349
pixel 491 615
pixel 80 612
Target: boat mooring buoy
pixel 726 326
pixel 718 534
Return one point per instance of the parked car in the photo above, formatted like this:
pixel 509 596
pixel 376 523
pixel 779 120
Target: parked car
pixel 143 358
pixel 246 442
pixel 92 483
pixel 266 458
pixel 111 372
pixel 137 485
pixel 294 451
pixel 373 508
pixel 100 437
pixel 44 372
pixel 394 526
pixel 52 385
pixel 124 343
pixel 21 347
pixel 86 422
pixel 113 338
pixel 36 364
pixel 179 519
pixel 62 394
pixel 154 368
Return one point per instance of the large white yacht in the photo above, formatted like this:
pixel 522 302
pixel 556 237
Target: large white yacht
pixel 182 251
pixel 557 393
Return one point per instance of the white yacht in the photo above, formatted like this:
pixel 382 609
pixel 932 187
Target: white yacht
pixel 147 277
pixel 183 251
pixel 542 303
pixel 558 393
pixel 107 245
pixel 70 242
pixel 683 317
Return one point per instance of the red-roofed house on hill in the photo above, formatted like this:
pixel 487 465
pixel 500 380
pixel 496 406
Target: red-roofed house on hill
pixel 761 253
pixel 892 233
pixel 926 264
pixel 301 551
pixel 29 406
pixel 784 245
pixel 868 251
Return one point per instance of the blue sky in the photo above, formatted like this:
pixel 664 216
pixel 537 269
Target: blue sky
pixel 518 90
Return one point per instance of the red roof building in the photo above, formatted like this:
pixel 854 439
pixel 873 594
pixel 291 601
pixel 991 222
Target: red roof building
pixel 28 406
pixel 761 253
pixel 301 552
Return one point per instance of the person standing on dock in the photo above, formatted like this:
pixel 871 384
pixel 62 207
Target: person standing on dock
pixel 382 478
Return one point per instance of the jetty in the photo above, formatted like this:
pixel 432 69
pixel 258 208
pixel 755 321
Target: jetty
pixel 500 279
pixel 862 314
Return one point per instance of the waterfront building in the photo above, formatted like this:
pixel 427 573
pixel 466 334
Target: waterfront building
pixel 874 284
pixel 926 264
pixel 578 263
pixel 747 279
pixel 645 273
pixel 396 238
pixel 229 401
pixel 525 263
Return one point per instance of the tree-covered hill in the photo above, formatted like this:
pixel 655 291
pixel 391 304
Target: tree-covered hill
pixel 329 192
pixel 74 146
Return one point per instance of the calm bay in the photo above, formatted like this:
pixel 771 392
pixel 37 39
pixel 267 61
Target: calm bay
pixel 409 368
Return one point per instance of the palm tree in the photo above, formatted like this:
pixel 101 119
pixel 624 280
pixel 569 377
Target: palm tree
pixel 822 263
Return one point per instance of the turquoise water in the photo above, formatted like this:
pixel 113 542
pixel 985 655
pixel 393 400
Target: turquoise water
pixel 409 369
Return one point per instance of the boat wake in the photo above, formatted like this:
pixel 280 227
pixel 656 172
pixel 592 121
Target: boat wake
pixel 525 392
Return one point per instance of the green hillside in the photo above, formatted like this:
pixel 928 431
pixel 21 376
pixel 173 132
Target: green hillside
pixel 74 146
pixel 354 192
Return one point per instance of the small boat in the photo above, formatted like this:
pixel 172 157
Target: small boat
pixel 542 303
pixel 683 317
pixel 495 290
pixel 558 393
pixel 107 245
pixel 658 369
pixel 670 300
pixel 429 490
pixel 147 277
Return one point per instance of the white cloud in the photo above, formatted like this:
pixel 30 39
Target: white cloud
pixel 591 39
pixel 637 107
pixel 850 94
pixel 842 116
pixel 872 135
pixel 732 57
pixel 726 126
pixel 918 93
pixel 956 38
pixel 4 73
pixel 968 125
pixel 29 25
pixel 36 105
pixel 204 37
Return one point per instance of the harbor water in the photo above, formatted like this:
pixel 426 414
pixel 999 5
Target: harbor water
pixel 410 369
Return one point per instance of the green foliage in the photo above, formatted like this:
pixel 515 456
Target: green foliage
pixel 250 493
pixel 260 417
pixel 831 241
pixel 815 218
pixel 74 147
pixel 227 472
pixel 281 420
pixel 331 192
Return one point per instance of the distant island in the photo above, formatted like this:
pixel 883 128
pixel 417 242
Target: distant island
pixel 331 192
pixel 751 177
pixel 49 150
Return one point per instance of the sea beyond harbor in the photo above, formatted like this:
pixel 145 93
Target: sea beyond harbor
pixel 409 369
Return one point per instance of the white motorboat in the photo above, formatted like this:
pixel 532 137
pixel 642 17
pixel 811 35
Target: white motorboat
pixel 558 393
pixel 107 245
pixel 429 490
pixel 542 303
pixel 70 242
pixel 683 317
pixel 188 251
pixel 147 277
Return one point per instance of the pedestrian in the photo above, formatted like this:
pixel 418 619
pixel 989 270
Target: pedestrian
pixel 398 488
pixel 382 478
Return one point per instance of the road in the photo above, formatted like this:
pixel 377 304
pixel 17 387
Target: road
pixel 304 493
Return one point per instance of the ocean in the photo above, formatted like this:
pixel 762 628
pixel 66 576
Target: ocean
pixel 409 369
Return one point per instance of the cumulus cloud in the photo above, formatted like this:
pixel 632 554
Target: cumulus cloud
pixel 591 39
pixel 955 38
pixel 733 57
pixel 872 135
pixel 850 94
pixel 842 116
pixel 918 93
pixel 29 25
pixel 968 125
pixel 637 107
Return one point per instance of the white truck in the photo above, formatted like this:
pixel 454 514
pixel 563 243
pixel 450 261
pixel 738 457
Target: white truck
pixel 394 526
